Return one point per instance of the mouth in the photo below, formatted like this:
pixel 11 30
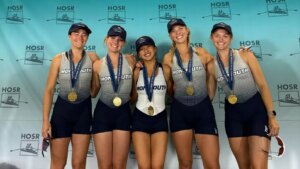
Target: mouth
pixel 147 54
pixel 179 37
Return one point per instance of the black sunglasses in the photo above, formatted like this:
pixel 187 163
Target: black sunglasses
pixel 45 144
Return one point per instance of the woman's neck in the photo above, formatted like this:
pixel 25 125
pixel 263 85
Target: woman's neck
pixel 150 65
pixel 183 50
pixel 113 55
pixel 223 53
pixel 76 52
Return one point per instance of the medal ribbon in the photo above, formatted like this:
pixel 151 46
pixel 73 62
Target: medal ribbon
pixel 115 83
pixel 229 78
pixel 188 72
pixel 149 85
pixel 75 71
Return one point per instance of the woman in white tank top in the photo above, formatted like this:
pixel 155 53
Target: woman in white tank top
pixel 149 122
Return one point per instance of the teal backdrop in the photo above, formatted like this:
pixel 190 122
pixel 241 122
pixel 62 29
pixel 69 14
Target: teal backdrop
pixel 33 32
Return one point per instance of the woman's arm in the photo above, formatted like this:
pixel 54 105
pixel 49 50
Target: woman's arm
pixel 48 95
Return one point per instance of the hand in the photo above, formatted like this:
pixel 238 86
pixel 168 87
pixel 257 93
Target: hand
pixel 273 126
pixel 139 64
pixel 46 129
pixel 246 48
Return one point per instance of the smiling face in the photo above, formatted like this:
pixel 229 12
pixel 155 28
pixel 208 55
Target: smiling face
pixel 179 34
pixel 78 38
pixel 221 39
pixel 114 43
pixel 147 52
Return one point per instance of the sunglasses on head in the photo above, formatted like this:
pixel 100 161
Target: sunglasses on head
pixel 280 151
pixel 45 144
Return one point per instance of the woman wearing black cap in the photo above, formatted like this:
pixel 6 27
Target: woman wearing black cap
pixel 149 123
pixel 111 123
pixel 191 110
pixel 72 111
pixel 249 113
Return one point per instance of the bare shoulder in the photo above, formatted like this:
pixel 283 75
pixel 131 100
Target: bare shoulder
pixel 57 59
pixel 201 51
pixel 204 54
pixel 167 60
pixel 97 65
pixel 247 55
pixel 93 56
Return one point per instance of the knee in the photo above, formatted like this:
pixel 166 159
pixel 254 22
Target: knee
pixel 212 165
pixel 185 164
pixel 57 164
pixel 78 164
pixel 119 165
pixel 157 166
pixel 144 166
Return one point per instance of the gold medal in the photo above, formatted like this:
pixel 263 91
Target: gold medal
pixel 150 110
pixel 189 90
pixel 72 96
pixel 232 99
pixel 117 101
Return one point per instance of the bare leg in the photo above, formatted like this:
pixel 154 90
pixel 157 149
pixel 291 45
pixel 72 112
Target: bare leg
pixel 183 145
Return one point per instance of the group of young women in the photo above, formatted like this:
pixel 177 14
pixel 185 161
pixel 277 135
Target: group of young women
pixel 187 74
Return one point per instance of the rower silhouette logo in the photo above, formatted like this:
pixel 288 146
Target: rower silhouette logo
pixel 277 8
pixel 195 150
pixel 116 14
pixel 220 11
pixel 166 12
pixel 15 15
pixel 34 55
pixel 288 95
pixel 65 14
pixel 10 97
pixel 29 145
pixel 255 48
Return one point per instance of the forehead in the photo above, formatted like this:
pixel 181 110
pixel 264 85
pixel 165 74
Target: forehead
pixel 221 31
pixel 177 27
pixel 147 46
pixel 80 31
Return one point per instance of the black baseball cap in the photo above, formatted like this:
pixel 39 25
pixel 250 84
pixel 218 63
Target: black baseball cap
pixel 173 22
pixel 75 26
pixel 144 40
pixel 222 25
pixel 117 30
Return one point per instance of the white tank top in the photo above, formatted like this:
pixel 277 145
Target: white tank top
pixel 159 93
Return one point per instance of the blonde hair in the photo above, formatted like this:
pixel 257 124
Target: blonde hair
pixel 173 46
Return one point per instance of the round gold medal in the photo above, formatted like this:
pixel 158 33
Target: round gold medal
pixel 72 96
pixel 189 90
pixel 232 99
pixel 150 110
pixel 117 101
